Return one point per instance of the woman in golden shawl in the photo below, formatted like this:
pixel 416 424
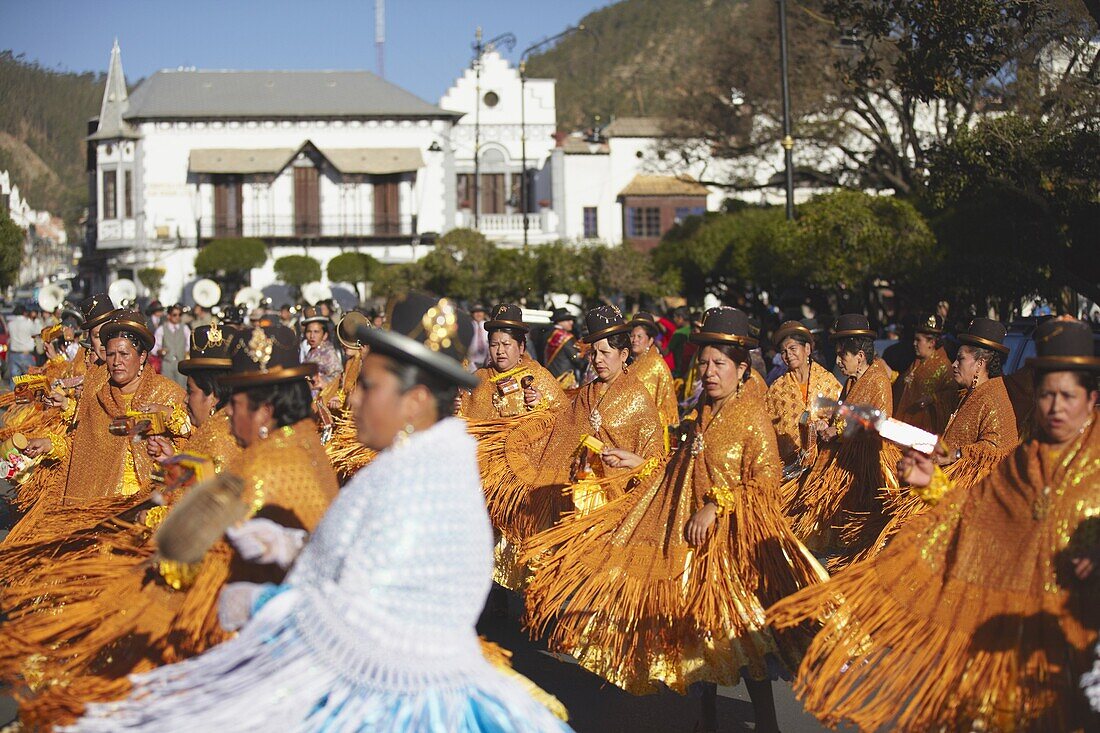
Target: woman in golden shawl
pixel 982 613
pixel 140 621
pixel 334 395
pixel 979 432
pixel 925 395
pixel 669 582
pixel 70 605
pixel 652 369
pixel 526 468
pixel 47 477
pixel 512 384
pixel 788 398
pixel 843 482
pixel 104 460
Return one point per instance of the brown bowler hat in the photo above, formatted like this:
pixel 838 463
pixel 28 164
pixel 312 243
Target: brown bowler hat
pixel 792 328
pixel 347 328
pixel 128 322
pixel 507 315
pixel 852 324
pixel 725 325
pixel 96 310
pixel 985 333
pixel 603 321
pixel 646 320
pixel 1064 345
pixel 209 349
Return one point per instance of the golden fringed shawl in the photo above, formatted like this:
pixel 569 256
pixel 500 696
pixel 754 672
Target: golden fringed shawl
pixel 114 618
pixel 929 379
pixel 972 618
pixel 347 455
pixel 483 402
pixel 655 375
pixel 97 457
pixel 843 483
pixel 984 429
pixel 527 462
pixel 625 594
pixel 785 406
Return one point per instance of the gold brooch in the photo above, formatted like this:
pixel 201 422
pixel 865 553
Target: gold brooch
pixel 213 335
pixel 260 347
pixel 440 325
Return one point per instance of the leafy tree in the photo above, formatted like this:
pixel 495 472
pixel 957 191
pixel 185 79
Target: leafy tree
pixel 511 276
pixel 297 270
pixel 394 279
pixel 152 278
pixel 230 259
pixel 847 240
pixel 624 271
pixel 560 268
pixel 352 268
pixel 12 238
pixel 1015 204
pixel 460 266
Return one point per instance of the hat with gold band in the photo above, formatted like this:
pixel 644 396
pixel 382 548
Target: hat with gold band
pixel 985 333
pixel 128 324
pixel 1064 345
pixel 313 314
pixel 348 328
pixel 603 321
pixel 426 331
pixel 931 324
pixel 507 315
pixel 266 354
pixel 209 349
pixel 853 325
pixel 96 310
pixel 792 328
pixel 725 325
pixel 647 321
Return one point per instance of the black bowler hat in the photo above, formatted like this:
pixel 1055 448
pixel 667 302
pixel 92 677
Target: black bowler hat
pixel 96 310
pixel 725 325
pixel 647 321
pixel 562 314
pixel 130 324
pixel 427 331
pixel 985 333
pixel 792 328
pixel 1064 345
pixel 931 323
pixel 852 324
pixel 209 349
pixel 506 315
pixel 478 308
pixel 266 354
pixel 603 321
pixel 313 314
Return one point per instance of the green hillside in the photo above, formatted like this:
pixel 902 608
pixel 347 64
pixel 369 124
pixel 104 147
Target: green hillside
pixel 629 65
pixel 43 119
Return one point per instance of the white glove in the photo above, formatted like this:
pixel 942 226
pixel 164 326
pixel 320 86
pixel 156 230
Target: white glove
pixel 235 604
pixel 265 542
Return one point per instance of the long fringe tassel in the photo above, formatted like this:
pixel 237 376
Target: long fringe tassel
pixel 347 454
pixel 880 665
pixel 900 506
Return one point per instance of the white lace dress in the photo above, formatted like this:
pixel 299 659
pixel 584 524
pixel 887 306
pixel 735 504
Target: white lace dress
pixel 374 628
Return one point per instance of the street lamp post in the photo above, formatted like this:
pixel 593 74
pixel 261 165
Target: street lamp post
pixel 523 194
pixel 508 40
pixel 788 141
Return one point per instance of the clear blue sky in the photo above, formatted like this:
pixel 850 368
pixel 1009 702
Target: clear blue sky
pixel 427 41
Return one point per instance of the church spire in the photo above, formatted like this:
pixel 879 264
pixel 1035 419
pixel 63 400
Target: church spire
pixel 115 103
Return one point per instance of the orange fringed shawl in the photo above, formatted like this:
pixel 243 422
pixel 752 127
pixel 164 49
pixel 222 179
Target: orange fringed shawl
pixel 972 618
pixel 627 596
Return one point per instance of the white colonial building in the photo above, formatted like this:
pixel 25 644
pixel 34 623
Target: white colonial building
pixel 310 162
pixel 508 126
pixel 47 255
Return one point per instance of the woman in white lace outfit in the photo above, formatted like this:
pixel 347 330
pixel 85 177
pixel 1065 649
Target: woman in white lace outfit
pixel 373 629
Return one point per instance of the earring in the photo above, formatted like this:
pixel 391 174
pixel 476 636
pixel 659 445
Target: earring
pixel 740 384
pixel 624 368
pixel 263 432
pixel 403 436
pixel 141 369
pixel 213 410
pixel 974 382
